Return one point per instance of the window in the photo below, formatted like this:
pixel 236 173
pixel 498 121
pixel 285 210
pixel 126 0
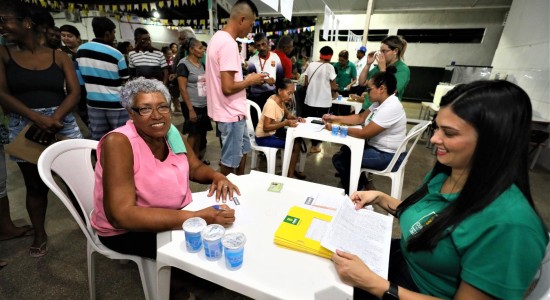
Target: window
pixel 454 36
pixel 375 35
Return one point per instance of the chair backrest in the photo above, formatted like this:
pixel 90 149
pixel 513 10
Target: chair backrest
pixel 72 161
pixel 249 126
pixel 415 134
pixel 542 288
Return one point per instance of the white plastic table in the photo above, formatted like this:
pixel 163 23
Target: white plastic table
pixel 357 106
pixel 356 146
pixel 268 271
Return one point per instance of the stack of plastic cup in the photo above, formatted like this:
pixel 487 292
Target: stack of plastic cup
pixel 193 228
pixel 335 129
pixel 212 240
pixel 343 131
pixel 233 247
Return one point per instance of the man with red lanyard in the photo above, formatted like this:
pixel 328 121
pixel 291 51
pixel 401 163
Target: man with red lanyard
pixel 267 63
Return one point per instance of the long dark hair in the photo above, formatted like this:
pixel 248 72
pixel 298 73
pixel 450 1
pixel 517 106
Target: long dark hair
pixel 500 112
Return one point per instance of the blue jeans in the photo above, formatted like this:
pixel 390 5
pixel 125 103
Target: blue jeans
pixel 372 159
pixel 270 141
pixel 235 142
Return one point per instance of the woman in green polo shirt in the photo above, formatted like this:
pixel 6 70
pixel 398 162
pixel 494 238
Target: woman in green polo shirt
pixel 471 230
pixel 392 50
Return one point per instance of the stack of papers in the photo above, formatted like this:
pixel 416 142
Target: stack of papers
pixel 363 232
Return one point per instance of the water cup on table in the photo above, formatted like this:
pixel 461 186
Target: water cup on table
pixel 335 129
pixel 339 97
pixel 343 131
pixel 212 241
pixel 193 228
pixel 233 248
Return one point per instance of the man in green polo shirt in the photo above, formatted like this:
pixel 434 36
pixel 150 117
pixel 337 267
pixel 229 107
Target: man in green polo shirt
pixel 346 73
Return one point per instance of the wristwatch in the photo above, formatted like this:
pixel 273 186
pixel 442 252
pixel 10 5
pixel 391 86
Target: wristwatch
pixel 392 293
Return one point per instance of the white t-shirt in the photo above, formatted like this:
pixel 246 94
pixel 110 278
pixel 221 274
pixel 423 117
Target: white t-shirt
pixel 359 65
pixel 319 93
pixel 271 65
pixel 391 116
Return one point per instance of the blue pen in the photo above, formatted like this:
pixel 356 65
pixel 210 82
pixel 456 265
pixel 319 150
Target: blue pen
pixel 217 207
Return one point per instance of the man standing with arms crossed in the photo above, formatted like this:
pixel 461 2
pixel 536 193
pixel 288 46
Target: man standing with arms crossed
pixel 225 89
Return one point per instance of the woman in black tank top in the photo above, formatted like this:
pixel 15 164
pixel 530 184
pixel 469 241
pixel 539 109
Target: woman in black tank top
pixel 32 89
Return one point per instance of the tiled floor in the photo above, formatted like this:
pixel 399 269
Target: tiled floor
pixel 62 274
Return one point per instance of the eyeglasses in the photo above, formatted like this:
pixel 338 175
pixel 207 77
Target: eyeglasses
pixel 5 19
pixel 147 111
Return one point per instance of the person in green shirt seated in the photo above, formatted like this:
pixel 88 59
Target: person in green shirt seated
pixel 471 231
pixel 346 73
pixel 392 51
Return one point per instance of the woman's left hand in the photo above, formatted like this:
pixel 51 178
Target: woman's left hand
pixel 351 269
pixel 223 188
pixel 301 120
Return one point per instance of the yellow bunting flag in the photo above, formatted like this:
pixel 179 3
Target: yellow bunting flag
pixel 128 7
pixel 176 3
pixel 115 8
pixel 193 2
pixel 100 8
pixel 164 22
pixel 43 3
pixel 161 4
pixel 71 7
pixel 144 6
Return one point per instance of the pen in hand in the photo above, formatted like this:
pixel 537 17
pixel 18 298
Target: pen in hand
pixel 218 207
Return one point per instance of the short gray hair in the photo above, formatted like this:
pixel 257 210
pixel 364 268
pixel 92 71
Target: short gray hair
pixel 141 85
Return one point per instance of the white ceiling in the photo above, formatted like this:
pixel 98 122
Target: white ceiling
pixel 315 7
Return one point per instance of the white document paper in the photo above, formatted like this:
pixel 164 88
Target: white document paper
pixel 286 8
pixel 310 127
pixel 364 233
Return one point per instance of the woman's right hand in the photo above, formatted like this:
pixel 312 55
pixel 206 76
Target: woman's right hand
pixel 224 215
pixel 327 117
pixel 291 123
pixel 363 198
pixel 371 57
pixel 193 116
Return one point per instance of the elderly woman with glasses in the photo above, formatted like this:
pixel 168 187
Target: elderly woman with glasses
pixel 384 128
pixel 391 53
pixel 142 175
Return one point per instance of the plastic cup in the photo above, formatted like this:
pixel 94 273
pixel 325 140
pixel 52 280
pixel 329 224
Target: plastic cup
pixel 233 248
pixel 339 97
pixel 343 131
pixel 212 240
pixel 335 129
pixel 192 228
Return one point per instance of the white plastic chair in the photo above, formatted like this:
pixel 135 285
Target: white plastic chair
pixel 71 160
pixel 397 177
pixel 270 152
pixel 542 289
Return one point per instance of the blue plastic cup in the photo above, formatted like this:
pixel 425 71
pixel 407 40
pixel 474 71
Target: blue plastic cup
pixel 335 129
pixel 212 241
pixel 339 97
pixel 233 249
pixel 193 228
pixel 343 131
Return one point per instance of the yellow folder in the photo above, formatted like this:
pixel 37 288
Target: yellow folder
pixel 293 231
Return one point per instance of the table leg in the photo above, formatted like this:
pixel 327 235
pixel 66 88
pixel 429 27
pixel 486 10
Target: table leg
pixel 163 283
pixel 289 144
pixel 355 169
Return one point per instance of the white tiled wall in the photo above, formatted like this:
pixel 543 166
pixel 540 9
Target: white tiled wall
pixel 523 54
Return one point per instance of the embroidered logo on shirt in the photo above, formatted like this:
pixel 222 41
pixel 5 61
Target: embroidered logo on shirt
pixel 273 63
pixel 425 220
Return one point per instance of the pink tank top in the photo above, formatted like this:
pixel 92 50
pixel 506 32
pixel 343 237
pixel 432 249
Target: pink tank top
pixel 160 184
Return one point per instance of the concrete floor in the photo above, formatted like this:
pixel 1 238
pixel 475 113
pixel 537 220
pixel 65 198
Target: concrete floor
pixel 62 274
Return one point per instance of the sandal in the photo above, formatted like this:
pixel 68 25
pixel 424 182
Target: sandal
pixel 39 251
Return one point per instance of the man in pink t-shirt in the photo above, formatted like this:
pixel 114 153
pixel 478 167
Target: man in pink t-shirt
pixel 225 86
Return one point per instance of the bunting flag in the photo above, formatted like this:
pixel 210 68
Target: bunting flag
pixel 153 6
pixel 100 8
pixel 161 4
pixel 176 3
pixel 144 6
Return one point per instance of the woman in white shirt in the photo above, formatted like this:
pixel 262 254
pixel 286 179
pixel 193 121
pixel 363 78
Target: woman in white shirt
pixel 384 126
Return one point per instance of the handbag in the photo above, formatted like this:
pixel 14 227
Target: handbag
pixel 31 142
